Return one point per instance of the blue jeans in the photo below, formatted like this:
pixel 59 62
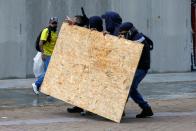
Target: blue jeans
pixel 134 94
pixel 40 79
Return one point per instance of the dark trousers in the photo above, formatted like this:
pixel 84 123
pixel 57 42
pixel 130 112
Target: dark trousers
pixel 134 94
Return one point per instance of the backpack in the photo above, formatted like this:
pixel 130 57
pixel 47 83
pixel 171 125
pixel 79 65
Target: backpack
pixel 37 47
pixel 150 42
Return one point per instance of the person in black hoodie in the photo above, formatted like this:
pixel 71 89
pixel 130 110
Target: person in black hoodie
pixel 112 22
pixel 128 31
pixel 95 23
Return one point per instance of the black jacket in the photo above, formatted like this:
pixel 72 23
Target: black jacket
pixel 144 62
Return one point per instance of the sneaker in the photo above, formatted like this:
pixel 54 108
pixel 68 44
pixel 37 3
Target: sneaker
pixel 75 109
pixel 35 89
pixel 145 113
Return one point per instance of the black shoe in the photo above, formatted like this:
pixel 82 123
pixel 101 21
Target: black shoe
pixel 145 113
pixel 123 115
pixel 75 109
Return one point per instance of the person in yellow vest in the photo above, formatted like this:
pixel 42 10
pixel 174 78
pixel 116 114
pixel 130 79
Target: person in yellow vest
pixel 47 43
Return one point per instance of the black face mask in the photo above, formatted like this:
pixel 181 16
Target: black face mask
pixel 53 28
pixel 131 33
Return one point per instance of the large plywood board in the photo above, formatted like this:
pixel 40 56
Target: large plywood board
pixel 92 71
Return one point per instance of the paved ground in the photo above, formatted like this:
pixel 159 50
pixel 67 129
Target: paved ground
pixel 172 115
pixel 24 97
pixel 172 97
pixel 150 78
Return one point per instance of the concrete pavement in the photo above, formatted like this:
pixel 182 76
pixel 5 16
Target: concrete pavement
pixel 172 97
pixel 150 78
pixel 172 115
pixel 18 92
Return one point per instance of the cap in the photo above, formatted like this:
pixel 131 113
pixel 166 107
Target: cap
pixel 53 19
pixel 126 26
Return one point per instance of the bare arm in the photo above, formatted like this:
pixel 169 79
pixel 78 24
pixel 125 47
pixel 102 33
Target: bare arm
pixel 41 43
pixel 70 21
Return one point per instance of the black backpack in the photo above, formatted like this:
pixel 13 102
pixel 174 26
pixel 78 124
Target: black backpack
pixel 150 42
pixel 37 47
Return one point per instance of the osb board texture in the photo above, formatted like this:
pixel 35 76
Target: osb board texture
pixel 92 71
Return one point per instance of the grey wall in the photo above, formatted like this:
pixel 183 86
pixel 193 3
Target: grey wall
pixel 170 28
pixel 167 22
pixel 12 39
